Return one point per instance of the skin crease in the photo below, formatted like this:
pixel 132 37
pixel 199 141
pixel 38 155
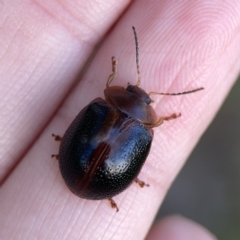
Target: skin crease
pixel 183 45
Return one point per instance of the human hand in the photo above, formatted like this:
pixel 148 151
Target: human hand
pixel 44 47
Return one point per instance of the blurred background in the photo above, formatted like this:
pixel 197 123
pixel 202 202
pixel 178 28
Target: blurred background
pixel 207 190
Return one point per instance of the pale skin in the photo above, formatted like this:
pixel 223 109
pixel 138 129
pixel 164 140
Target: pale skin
pixel 44 46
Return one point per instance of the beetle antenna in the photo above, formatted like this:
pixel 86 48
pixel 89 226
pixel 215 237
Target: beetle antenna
pixel 180 93
pixel 137 57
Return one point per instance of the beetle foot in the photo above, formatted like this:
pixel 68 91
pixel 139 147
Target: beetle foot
pixel 113 204
pixel 54 156
pixel 162 119
pixel 141 183
pixel 114 72
pixel 173 116
pixel 57 137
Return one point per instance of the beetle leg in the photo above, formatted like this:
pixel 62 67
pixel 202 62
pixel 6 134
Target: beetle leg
pixel 57 137
pixel 113 204
pixel 141 183
pixel 114 72
pixel 162 119
pixel 55 156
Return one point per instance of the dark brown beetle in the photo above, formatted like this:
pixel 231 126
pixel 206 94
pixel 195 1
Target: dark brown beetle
pixel 105 147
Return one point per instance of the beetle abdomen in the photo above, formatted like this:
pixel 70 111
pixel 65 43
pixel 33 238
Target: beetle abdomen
pixel 103 151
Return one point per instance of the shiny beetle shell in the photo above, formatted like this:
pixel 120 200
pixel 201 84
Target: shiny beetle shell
pixel 104 148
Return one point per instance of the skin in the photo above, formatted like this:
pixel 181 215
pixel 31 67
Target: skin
pixel 44 46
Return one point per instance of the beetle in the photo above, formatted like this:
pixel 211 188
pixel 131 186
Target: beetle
pixel 106 145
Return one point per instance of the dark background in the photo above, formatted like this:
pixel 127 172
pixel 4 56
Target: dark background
pixel 207 189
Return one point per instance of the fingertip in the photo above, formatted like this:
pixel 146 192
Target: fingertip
pixel 179 228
